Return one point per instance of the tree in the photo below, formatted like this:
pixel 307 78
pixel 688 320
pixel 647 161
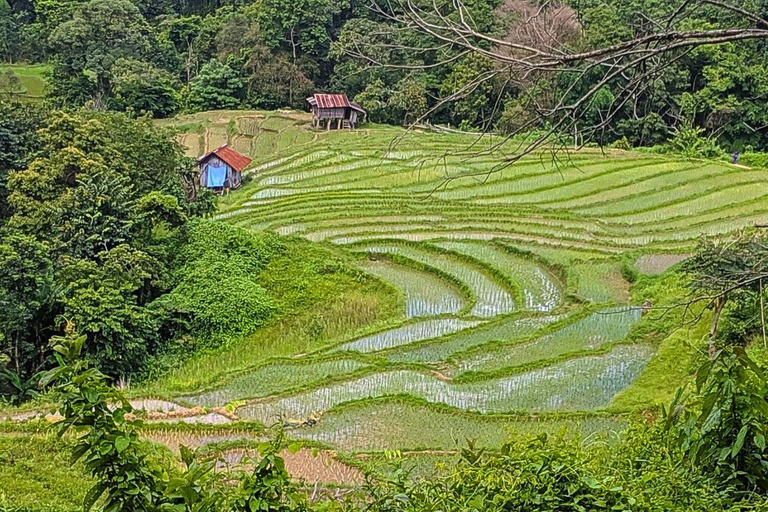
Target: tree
pixel 88 46
pixel 103 299
pixel 26 282
pixel 722 269
pixel 143 88
pixel 103 199
pixel 274 82
pixel 472 97
pixel 613 81
pixel 9 33
pixel 374 99
pixel 217 86
pixel 303 26
pixel 722 429
pixel 18 143
pixel 409 99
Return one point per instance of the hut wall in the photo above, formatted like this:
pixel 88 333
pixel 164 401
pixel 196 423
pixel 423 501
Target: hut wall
pixel 203 175
pixel 332 113
pixel 235 179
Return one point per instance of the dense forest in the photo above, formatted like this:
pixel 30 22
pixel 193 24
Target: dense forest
pixel 119 281
pixel 170 56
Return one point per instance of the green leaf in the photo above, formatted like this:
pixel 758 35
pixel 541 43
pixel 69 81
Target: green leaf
pixel 264 447
pixel 760 404
pixel 186 455
pixel 78 451
pixel 92 496
pixel 703 374
pixel 739 440
pixel 745 361
pixel 294 448
pixel 707 406
pixel 590 482
pixel 121 443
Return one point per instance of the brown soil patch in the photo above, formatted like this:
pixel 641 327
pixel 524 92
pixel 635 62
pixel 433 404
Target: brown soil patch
pixel 320 468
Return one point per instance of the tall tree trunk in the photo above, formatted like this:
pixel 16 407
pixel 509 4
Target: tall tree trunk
pixel 189 63
pixel 294 44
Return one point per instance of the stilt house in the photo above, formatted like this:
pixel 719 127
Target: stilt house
pixel 335 111
pixel 222 169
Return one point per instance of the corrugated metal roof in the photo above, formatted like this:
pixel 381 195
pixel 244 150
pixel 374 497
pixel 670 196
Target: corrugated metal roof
pixel 331 100
pixel 235 160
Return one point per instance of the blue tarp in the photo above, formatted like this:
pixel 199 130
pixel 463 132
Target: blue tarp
pixel 216 176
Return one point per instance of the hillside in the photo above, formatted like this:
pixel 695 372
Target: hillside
pixel 515 308
pixel 499 299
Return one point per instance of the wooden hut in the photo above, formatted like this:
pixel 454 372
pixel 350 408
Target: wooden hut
pixel 222 169
pixel 335 111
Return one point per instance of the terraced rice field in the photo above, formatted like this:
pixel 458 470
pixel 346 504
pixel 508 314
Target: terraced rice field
pixel 32 80
pixel 515 312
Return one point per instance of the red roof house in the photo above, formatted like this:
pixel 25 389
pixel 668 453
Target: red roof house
pixel 222 168
pixel 330 109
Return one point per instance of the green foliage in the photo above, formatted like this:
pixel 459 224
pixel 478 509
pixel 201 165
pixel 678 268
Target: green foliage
pixel 723 428
pixel 144 88
pixel 26 279
pixel 556 473
pixel 688 141
pixel 473 103
pixel 102 299
pixel 217 286
pixel 305 25
pixel 217 86
pixel 90 236
pixel 91 44
pixel 112 452
pixel 18 143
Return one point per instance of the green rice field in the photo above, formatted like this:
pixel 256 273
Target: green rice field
pixel 516 315
pixel 32 80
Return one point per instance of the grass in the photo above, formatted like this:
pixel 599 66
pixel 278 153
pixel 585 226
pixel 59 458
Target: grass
pixel 600 281
pixel 323 298
pixel 505 330
pixel 491 296
pixel 673 363
pixel 425 294
pixel 32 77
pixel 36 474
pixel 409 333
pixel 274 378
pixel 539 290
pixel 591 333
pixel 476 316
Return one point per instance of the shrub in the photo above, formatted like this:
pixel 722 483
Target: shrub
pixel 688 141
pixel 221 301
pixel 759 160
pixel 218 241
pixel 215 277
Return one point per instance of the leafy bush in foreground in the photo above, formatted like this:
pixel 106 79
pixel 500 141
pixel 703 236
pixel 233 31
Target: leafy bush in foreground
pixel 112 452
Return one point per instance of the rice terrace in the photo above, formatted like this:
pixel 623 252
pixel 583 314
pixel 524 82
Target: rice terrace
pixel 512 290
